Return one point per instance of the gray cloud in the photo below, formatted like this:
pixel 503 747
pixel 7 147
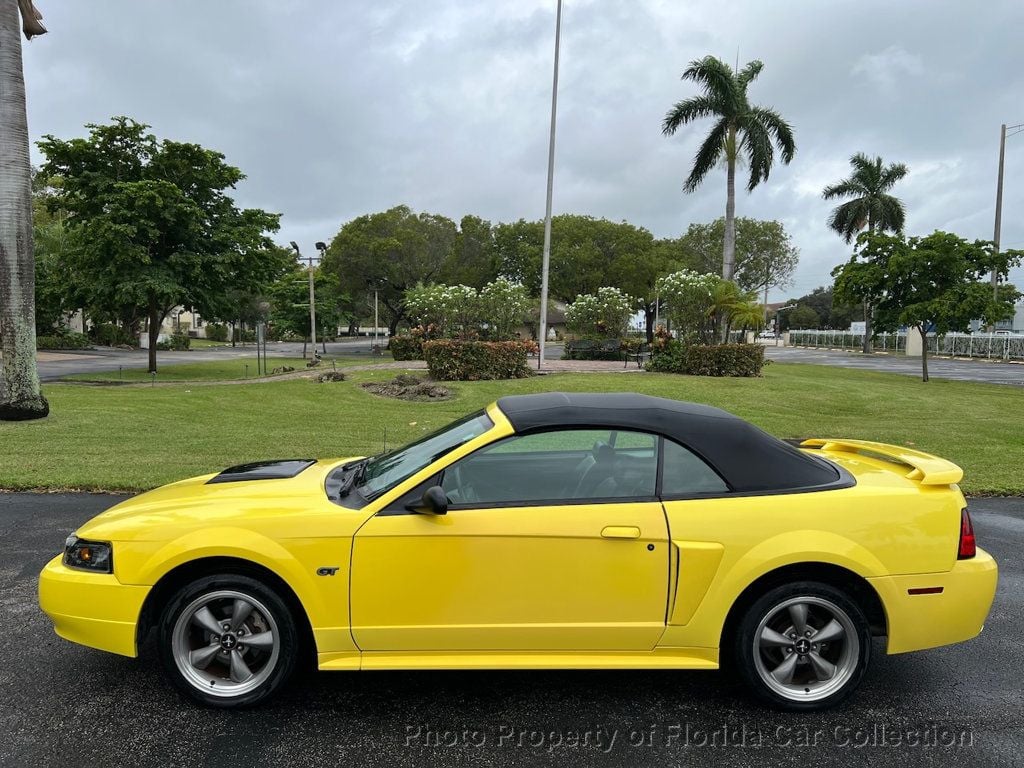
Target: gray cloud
pixel 338 109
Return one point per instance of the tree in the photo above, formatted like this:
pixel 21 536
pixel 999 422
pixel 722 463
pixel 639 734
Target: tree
pixel 765 256
pixel 934 283
pixel 741 131
pixel 637 273
pixel 604 314
pixel 829 313
pixel 870 205
pixel 21 397
pixel 804 317
pixel 729 303
pixel 392 251
pixel 473 259
pixel 504 306
pixel 54 281
pixel 288 298
pixel 586 254
pixel 154 224
pixel 689 303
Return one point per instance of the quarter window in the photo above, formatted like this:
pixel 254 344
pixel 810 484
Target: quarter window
pixel 684 473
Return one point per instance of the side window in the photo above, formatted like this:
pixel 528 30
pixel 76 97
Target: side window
pixel 557 466
pixel 684 473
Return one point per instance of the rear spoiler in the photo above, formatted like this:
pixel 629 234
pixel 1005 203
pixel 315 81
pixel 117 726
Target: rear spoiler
pixel 924 468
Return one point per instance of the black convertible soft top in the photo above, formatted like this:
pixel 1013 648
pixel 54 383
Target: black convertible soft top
pixel 749 459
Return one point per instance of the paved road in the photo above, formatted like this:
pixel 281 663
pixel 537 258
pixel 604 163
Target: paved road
pixel 55 365
pixel 61 704
pixel 938 368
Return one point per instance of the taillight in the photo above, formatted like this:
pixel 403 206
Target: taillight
pixel 968 547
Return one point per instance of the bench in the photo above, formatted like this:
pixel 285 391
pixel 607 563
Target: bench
pixel 640 354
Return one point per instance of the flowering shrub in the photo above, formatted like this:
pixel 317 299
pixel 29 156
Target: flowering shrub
pixel 689 300
pixel 459 311
pixel 452 360
pixel 451 309
pixel 504 306
pixel 602 315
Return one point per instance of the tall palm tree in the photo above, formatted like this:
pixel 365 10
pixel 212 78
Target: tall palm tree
pixel 742 132
pixel 869 206
pixel 20 394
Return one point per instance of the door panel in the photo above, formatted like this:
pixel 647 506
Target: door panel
pixel 517 579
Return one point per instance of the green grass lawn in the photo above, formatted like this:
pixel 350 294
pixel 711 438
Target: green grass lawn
pixel 130 438
pixel 212 370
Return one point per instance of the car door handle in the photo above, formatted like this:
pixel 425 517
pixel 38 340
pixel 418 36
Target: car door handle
pixel 621 532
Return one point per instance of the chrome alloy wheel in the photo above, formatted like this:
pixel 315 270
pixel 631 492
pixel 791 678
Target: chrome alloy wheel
pixel 806 648
pixel 225 643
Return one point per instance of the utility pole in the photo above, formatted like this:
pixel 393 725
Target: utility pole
pixel 999 205
pixel 312 301
pixel 1004 133
pixel 546 262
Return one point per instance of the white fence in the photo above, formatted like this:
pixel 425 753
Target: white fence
pixel 991 346
pixel 887 342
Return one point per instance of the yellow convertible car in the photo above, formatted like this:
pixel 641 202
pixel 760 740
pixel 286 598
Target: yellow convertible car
pixel 547 531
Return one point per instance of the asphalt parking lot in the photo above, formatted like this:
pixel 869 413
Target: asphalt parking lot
pixel 61 704
pixel 990 371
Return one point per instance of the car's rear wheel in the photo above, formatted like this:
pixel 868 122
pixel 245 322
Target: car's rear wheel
pixel 227 640
pixel 803 646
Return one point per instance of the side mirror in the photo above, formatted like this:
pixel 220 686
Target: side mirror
pixel 434 502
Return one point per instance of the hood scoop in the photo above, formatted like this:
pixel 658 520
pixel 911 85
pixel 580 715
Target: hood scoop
pixel 263 470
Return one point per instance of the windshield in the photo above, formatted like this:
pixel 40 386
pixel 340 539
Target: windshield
pixel 386 471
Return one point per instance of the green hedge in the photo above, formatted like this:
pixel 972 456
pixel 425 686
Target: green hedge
pixel 178 342
pixel 449 360
pixel 110 335
pixel 67 340
pixel 216 331
pixel 588 349
pixel 712 360
pixel 406 347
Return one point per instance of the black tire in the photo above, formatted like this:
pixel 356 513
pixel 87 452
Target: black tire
pixel 270 666
pixel 795 676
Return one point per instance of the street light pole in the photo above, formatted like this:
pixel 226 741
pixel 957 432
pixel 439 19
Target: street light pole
pixel 997 233
pixel 999 205
pixel 322 249
pixel 312 302
pixel 551 181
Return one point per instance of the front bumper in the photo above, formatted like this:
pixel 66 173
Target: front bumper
pixel 957 613
pixel 93 609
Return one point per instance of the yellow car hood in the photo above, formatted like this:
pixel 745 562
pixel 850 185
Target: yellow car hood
pixel 196 502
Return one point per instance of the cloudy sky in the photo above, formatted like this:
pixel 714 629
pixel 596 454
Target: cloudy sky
pixel 335 109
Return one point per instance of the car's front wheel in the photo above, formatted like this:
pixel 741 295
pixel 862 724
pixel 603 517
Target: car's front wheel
pixel 227 640
pixel 803 646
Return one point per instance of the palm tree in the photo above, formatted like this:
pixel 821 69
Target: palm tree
pixel 742 132
pixel 869 206
pixel 729 305
pixel 20 394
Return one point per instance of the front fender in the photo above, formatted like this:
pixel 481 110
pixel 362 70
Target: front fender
pixel 294 561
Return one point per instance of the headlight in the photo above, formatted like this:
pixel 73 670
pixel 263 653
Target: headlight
pixel 88 555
